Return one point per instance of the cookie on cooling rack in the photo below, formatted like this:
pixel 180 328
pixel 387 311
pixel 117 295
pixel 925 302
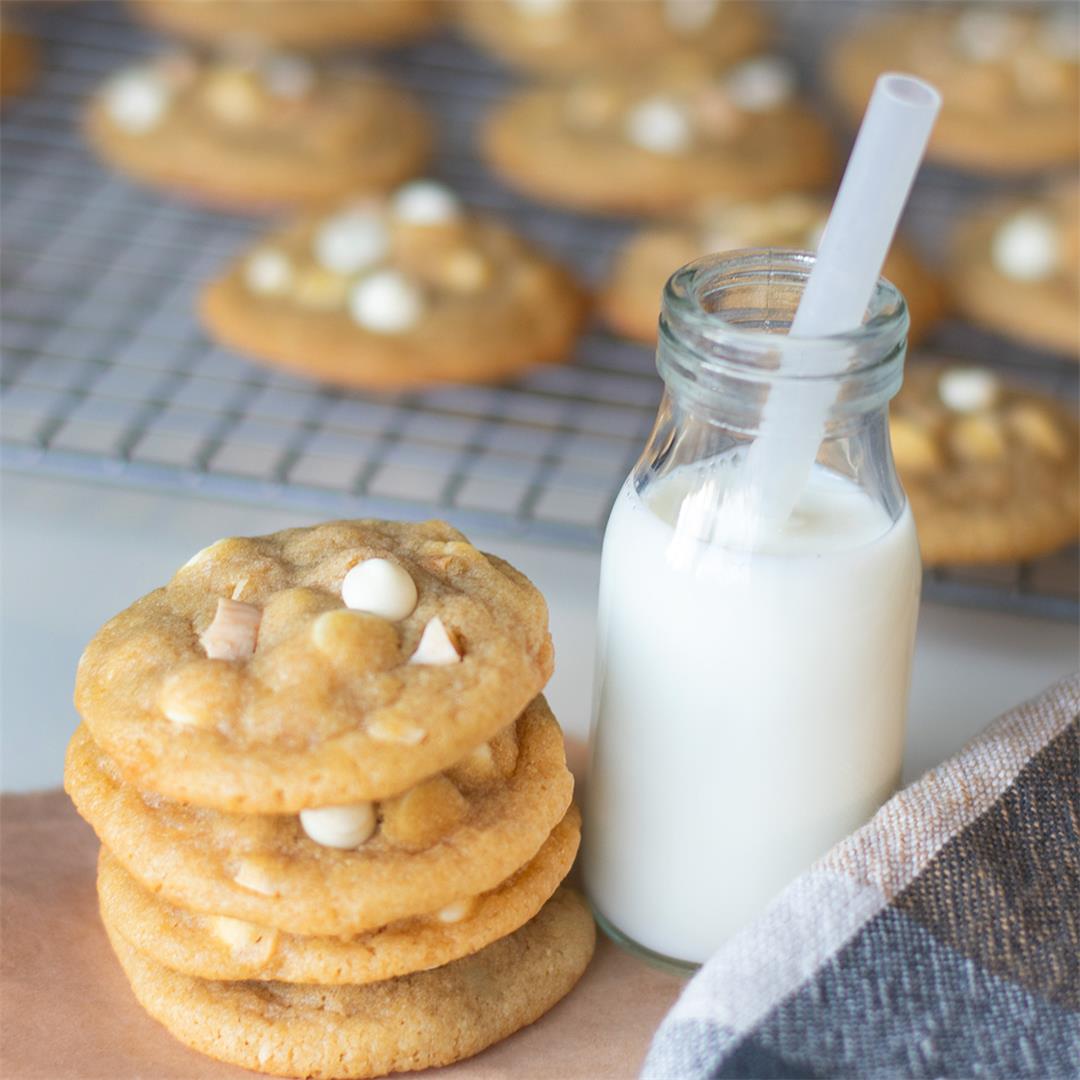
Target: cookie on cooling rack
pixel 564 36
pixel 18 61
pixel 404 290
pixel 633 142
pixel 992 471
pixel 326 24
pixel 254 130
pixel 631 298
pixel 1015 268
pixel 1009 75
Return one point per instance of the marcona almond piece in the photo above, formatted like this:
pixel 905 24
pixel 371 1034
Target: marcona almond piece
pixel 232 96
pixel 355 640
pixel 914 448
pixel 424 814
pixel 245 937
pixel 254 874
pixel 1036 427
pixel 232 634
pixel 202 692
pixel 286 610
pixel 319 289
pixel 977 438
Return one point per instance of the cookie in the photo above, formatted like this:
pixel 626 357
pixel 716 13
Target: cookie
pixel 18 62
pixel 992 472
pixel 450 837
pixel 315 667
pixel 1015 268
pixel 213 947
pixel 429 1018
pixel 631 299
pixel 400 291
pixel 256 131
pixel 294 24
pixel 633 142
pixel 1008 75
pixel 567 36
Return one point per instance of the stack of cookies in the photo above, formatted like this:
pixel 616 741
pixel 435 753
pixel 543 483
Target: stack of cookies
pixel 335 811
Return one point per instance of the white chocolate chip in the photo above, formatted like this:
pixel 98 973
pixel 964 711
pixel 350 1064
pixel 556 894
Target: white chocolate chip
pixel 425 202
pixel 232 634
pixel 137 100
pixel 268 272
pixel 380 587
pixel 344 827
pixel 660 125
pixel 455 912
pixel 1059 34
pixel 386 303
pixel 762 84
pixel 984 34
pixel 435 646
pixel 1026 247
pixel 287 76
pixel 686 16
pixel 968 389
pixel 254 877
pixel 352 240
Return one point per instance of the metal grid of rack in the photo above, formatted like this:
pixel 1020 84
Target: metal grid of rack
pixel 106 375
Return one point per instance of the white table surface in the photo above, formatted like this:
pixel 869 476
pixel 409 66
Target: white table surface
pixel 71 556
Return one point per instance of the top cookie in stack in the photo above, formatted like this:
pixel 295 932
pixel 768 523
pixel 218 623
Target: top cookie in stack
pixel 315 666
pixel 321 772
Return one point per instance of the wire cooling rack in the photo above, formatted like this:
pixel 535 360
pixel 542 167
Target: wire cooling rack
pixel 107 377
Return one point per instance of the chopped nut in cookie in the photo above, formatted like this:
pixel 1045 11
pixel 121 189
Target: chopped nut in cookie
pixel 424 814
pixel 242 936
pixel 356 641
pixel 201 693
pixel 232 634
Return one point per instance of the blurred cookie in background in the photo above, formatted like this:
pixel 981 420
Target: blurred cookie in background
pixel 1015 268
pixel 992 471
pixel 256 130
pixel 631 299
pixel 397 291
pixel 1008 74
pixel 18 61
pixel 653 142
pixel 296 24
pixel 564 36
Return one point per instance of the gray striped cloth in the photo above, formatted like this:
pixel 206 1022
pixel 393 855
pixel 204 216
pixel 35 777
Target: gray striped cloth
pixel 940 940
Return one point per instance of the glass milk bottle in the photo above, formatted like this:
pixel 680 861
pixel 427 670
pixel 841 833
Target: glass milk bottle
pixel 752 675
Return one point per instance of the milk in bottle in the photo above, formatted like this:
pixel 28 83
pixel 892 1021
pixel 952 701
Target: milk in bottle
pixel 752 677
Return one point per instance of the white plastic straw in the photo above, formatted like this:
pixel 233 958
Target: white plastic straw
pixel 887 153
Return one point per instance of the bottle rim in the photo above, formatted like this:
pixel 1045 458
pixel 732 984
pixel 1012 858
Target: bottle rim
pixel 696 340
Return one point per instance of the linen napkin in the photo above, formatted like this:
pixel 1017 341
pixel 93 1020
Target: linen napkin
pixel 942 939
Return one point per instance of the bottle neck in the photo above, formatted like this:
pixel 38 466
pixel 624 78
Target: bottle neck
pixel 730 372
pixel 725 356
